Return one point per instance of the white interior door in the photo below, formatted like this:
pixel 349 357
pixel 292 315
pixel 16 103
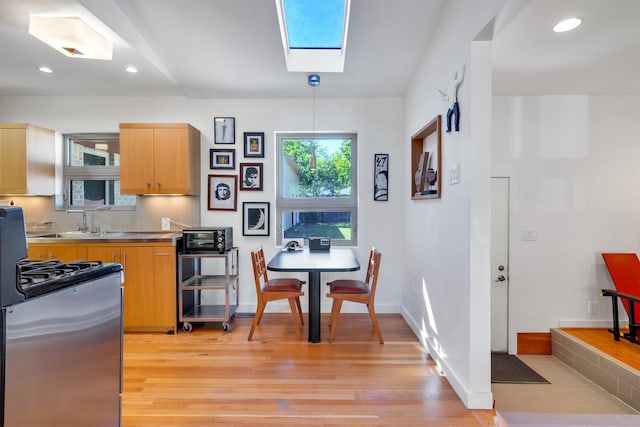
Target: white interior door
pixel 499 264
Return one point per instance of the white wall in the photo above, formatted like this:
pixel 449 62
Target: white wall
pixel 446 297
pixel 377 121
pixel 574 182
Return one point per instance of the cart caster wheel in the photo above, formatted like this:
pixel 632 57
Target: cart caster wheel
pixel 187 327
pixel 226 327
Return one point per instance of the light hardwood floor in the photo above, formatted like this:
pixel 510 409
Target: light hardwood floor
pixel 600 338
pixel 208 377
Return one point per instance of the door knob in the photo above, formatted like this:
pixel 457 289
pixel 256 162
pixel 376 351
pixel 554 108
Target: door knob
pixel 501 278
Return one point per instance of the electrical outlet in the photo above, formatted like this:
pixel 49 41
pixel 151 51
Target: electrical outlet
pixel 528 236
pixel 166 224
pixel 592 307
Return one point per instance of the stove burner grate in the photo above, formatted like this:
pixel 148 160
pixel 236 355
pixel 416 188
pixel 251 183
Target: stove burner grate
pixel 47 273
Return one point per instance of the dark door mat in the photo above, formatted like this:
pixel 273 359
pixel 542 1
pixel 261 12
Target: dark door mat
pixel 508 369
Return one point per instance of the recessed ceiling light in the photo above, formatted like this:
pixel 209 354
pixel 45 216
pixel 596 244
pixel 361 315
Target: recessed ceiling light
pixel 45 69
pixel 567 25
pixel 132 69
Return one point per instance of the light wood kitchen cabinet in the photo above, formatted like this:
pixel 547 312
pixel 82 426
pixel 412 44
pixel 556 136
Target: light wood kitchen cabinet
pixel 149 283
pixel 63 252
pixel 27 159
pixel 104 253
pixel 164 296
pixel 139 289
pixel 149 278
pixel 157 158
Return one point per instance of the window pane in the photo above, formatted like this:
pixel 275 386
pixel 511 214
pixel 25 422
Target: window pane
pixel 94 152
pixel 297 224
pixel 316 168
pixel 315 24
pixel 317 187
pixel 98 192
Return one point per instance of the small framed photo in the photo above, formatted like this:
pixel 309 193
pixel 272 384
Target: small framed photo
pixel 251 176
pixel 224 130
pixel 222 159
pixel 223 193
pixel 381 178
pixel 254 144
pixel 255 218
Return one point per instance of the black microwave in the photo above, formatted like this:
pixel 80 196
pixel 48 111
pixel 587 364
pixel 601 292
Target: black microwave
pixel 207 239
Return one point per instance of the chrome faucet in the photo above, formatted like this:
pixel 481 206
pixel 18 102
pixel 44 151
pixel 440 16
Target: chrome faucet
pixel 82 227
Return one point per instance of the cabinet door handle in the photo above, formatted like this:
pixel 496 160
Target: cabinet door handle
pixel 113 257
pixel 124 261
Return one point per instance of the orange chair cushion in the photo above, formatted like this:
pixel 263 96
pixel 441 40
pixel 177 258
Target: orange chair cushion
pixel 282 285
pixel 348 287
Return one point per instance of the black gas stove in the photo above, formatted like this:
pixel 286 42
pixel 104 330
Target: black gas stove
pixel 60 327
pixel 21 278
pixel 40 277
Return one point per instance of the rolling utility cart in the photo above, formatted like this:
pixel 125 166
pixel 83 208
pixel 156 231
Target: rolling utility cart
pixel 190 308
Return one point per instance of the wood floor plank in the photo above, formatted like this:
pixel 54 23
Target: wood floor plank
pixel 208 377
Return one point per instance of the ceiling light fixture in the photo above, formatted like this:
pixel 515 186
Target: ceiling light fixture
pixel 45 69
pixel 71 37
pixel 567 25
pixel 131 69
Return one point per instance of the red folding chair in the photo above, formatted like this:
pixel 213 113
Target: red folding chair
pixel 624 270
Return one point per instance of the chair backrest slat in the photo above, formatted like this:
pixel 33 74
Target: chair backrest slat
pixel 372 270
pixel 259 268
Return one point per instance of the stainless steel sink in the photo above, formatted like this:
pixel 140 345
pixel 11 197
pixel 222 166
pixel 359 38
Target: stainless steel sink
pixel 68 235
pixel 139 235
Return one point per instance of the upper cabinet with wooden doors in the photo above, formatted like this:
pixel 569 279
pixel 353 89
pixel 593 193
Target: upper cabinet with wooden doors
pixel 27 159
pixel 159 158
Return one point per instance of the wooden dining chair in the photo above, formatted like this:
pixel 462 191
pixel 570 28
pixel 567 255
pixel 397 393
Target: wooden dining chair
pixel 275 289
pixel 356 291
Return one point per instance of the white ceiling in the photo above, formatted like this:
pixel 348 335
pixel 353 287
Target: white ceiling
pixel 232 49
pixel 600 56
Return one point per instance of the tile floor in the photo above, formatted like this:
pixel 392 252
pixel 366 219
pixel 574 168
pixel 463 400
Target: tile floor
pixel 570 399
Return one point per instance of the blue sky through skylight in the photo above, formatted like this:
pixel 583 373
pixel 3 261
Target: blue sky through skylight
pixel 314 24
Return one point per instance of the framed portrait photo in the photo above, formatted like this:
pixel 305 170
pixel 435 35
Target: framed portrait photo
pixel 223 193
pixel 251 176
pixel 255 218
pixel 222 159
pixel 254 144
pixel 381 177
pixel 224 130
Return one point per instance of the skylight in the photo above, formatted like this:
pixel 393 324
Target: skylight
pixel 314 34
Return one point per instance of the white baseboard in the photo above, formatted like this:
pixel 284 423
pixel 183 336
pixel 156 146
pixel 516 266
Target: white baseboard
pixel 470 399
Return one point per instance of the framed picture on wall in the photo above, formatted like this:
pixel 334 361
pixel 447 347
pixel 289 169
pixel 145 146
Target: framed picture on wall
pixel 381 177
pixel 222 159
pixel 254 144
pixel 255 218
pixel 251 176
pixel 224 130
pixel 223 193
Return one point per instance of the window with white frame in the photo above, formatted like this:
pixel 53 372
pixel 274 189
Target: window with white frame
pixel 92 171
pixel 316 193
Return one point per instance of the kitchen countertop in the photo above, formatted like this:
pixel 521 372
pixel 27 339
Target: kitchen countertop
pixel 106 237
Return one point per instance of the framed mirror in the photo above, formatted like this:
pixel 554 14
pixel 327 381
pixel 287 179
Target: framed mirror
pixel 426 161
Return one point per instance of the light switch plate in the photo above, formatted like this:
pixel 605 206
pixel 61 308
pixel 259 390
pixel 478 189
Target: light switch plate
pixel 454 175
